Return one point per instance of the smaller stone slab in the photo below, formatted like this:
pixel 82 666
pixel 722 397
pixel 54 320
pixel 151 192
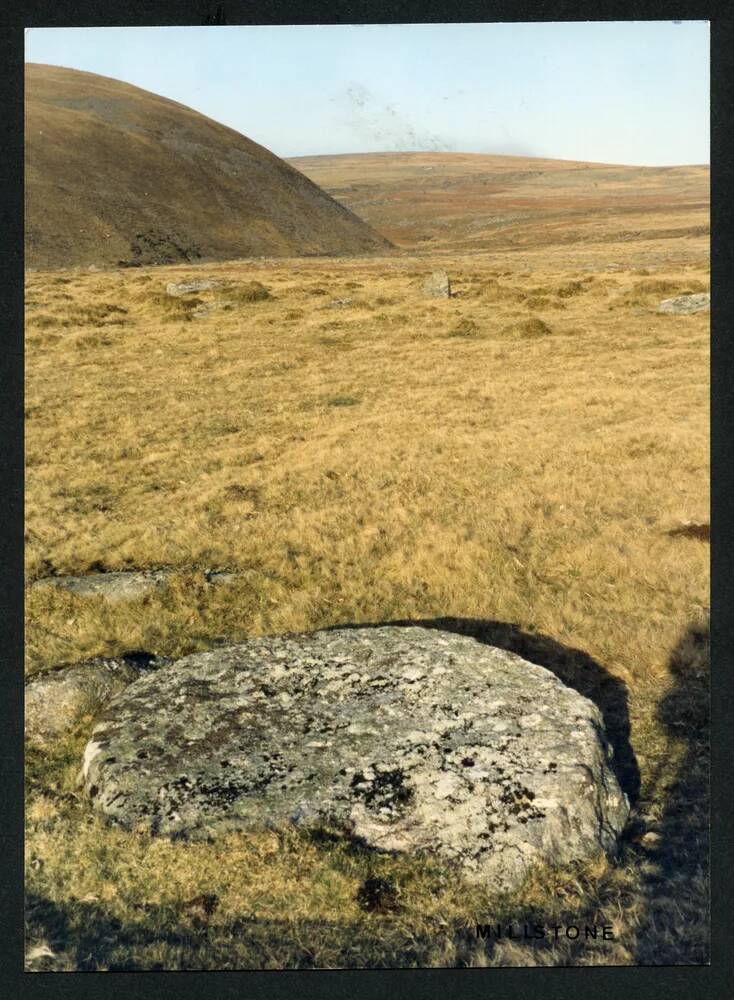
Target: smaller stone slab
pixel 58 698
pixel 126 585
pixel 113 587
pixel 684 305
pixel 179 288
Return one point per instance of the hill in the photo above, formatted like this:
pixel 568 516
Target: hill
pixel 117 175
pixel 475 202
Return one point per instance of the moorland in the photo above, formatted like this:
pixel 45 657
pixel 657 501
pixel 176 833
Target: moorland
pixel 526 460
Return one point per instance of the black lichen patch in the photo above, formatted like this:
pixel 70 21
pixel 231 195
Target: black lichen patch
pixel 519 802
pixel 214 793
pixel 387 792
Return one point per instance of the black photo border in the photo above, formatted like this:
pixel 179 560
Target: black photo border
pixel 669 982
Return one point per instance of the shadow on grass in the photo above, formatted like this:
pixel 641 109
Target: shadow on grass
pixel 86 937
pixel 675 929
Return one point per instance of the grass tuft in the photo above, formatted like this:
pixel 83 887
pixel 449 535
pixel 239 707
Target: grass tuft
pixel 528 329
pixel 250 291
pixel 464 328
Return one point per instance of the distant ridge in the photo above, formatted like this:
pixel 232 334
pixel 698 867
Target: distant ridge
pixel 459 202
pixel 115 175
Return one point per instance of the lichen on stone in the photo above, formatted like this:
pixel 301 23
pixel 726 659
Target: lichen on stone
pixel 409 739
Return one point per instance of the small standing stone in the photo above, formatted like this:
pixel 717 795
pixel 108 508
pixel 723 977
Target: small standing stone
pixel 437 285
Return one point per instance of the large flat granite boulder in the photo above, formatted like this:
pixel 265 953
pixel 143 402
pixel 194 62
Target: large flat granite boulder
pixel 408 738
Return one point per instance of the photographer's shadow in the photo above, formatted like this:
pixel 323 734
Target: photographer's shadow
pixel 678 858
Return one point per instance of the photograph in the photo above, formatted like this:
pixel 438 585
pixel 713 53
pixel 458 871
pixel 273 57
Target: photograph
pixel 366 496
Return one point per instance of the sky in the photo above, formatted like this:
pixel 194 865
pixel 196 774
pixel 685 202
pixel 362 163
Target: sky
pixel 628 92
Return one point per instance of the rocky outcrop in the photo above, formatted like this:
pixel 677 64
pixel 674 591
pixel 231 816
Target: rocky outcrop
pixel 407 738
pixel 686 304
pixel 59 698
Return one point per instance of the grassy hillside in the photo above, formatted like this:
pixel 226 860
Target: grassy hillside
pixel 360 454
pixel 473 202
pixel 115 174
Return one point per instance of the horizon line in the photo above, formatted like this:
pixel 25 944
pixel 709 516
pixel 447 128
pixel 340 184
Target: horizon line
pixel 383 152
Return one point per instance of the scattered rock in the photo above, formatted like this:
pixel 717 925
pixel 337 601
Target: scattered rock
pixel 179 288
pixel 437 285
pixel 406 738
pixel 684 305
pixel 58 698
pixel 113 587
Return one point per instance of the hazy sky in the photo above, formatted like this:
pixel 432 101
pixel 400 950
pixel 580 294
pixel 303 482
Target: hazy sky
pixel 634 92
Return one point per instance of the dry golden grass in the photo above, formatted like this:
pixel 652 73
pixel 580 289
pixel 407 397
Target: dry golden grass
pixel 385 457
